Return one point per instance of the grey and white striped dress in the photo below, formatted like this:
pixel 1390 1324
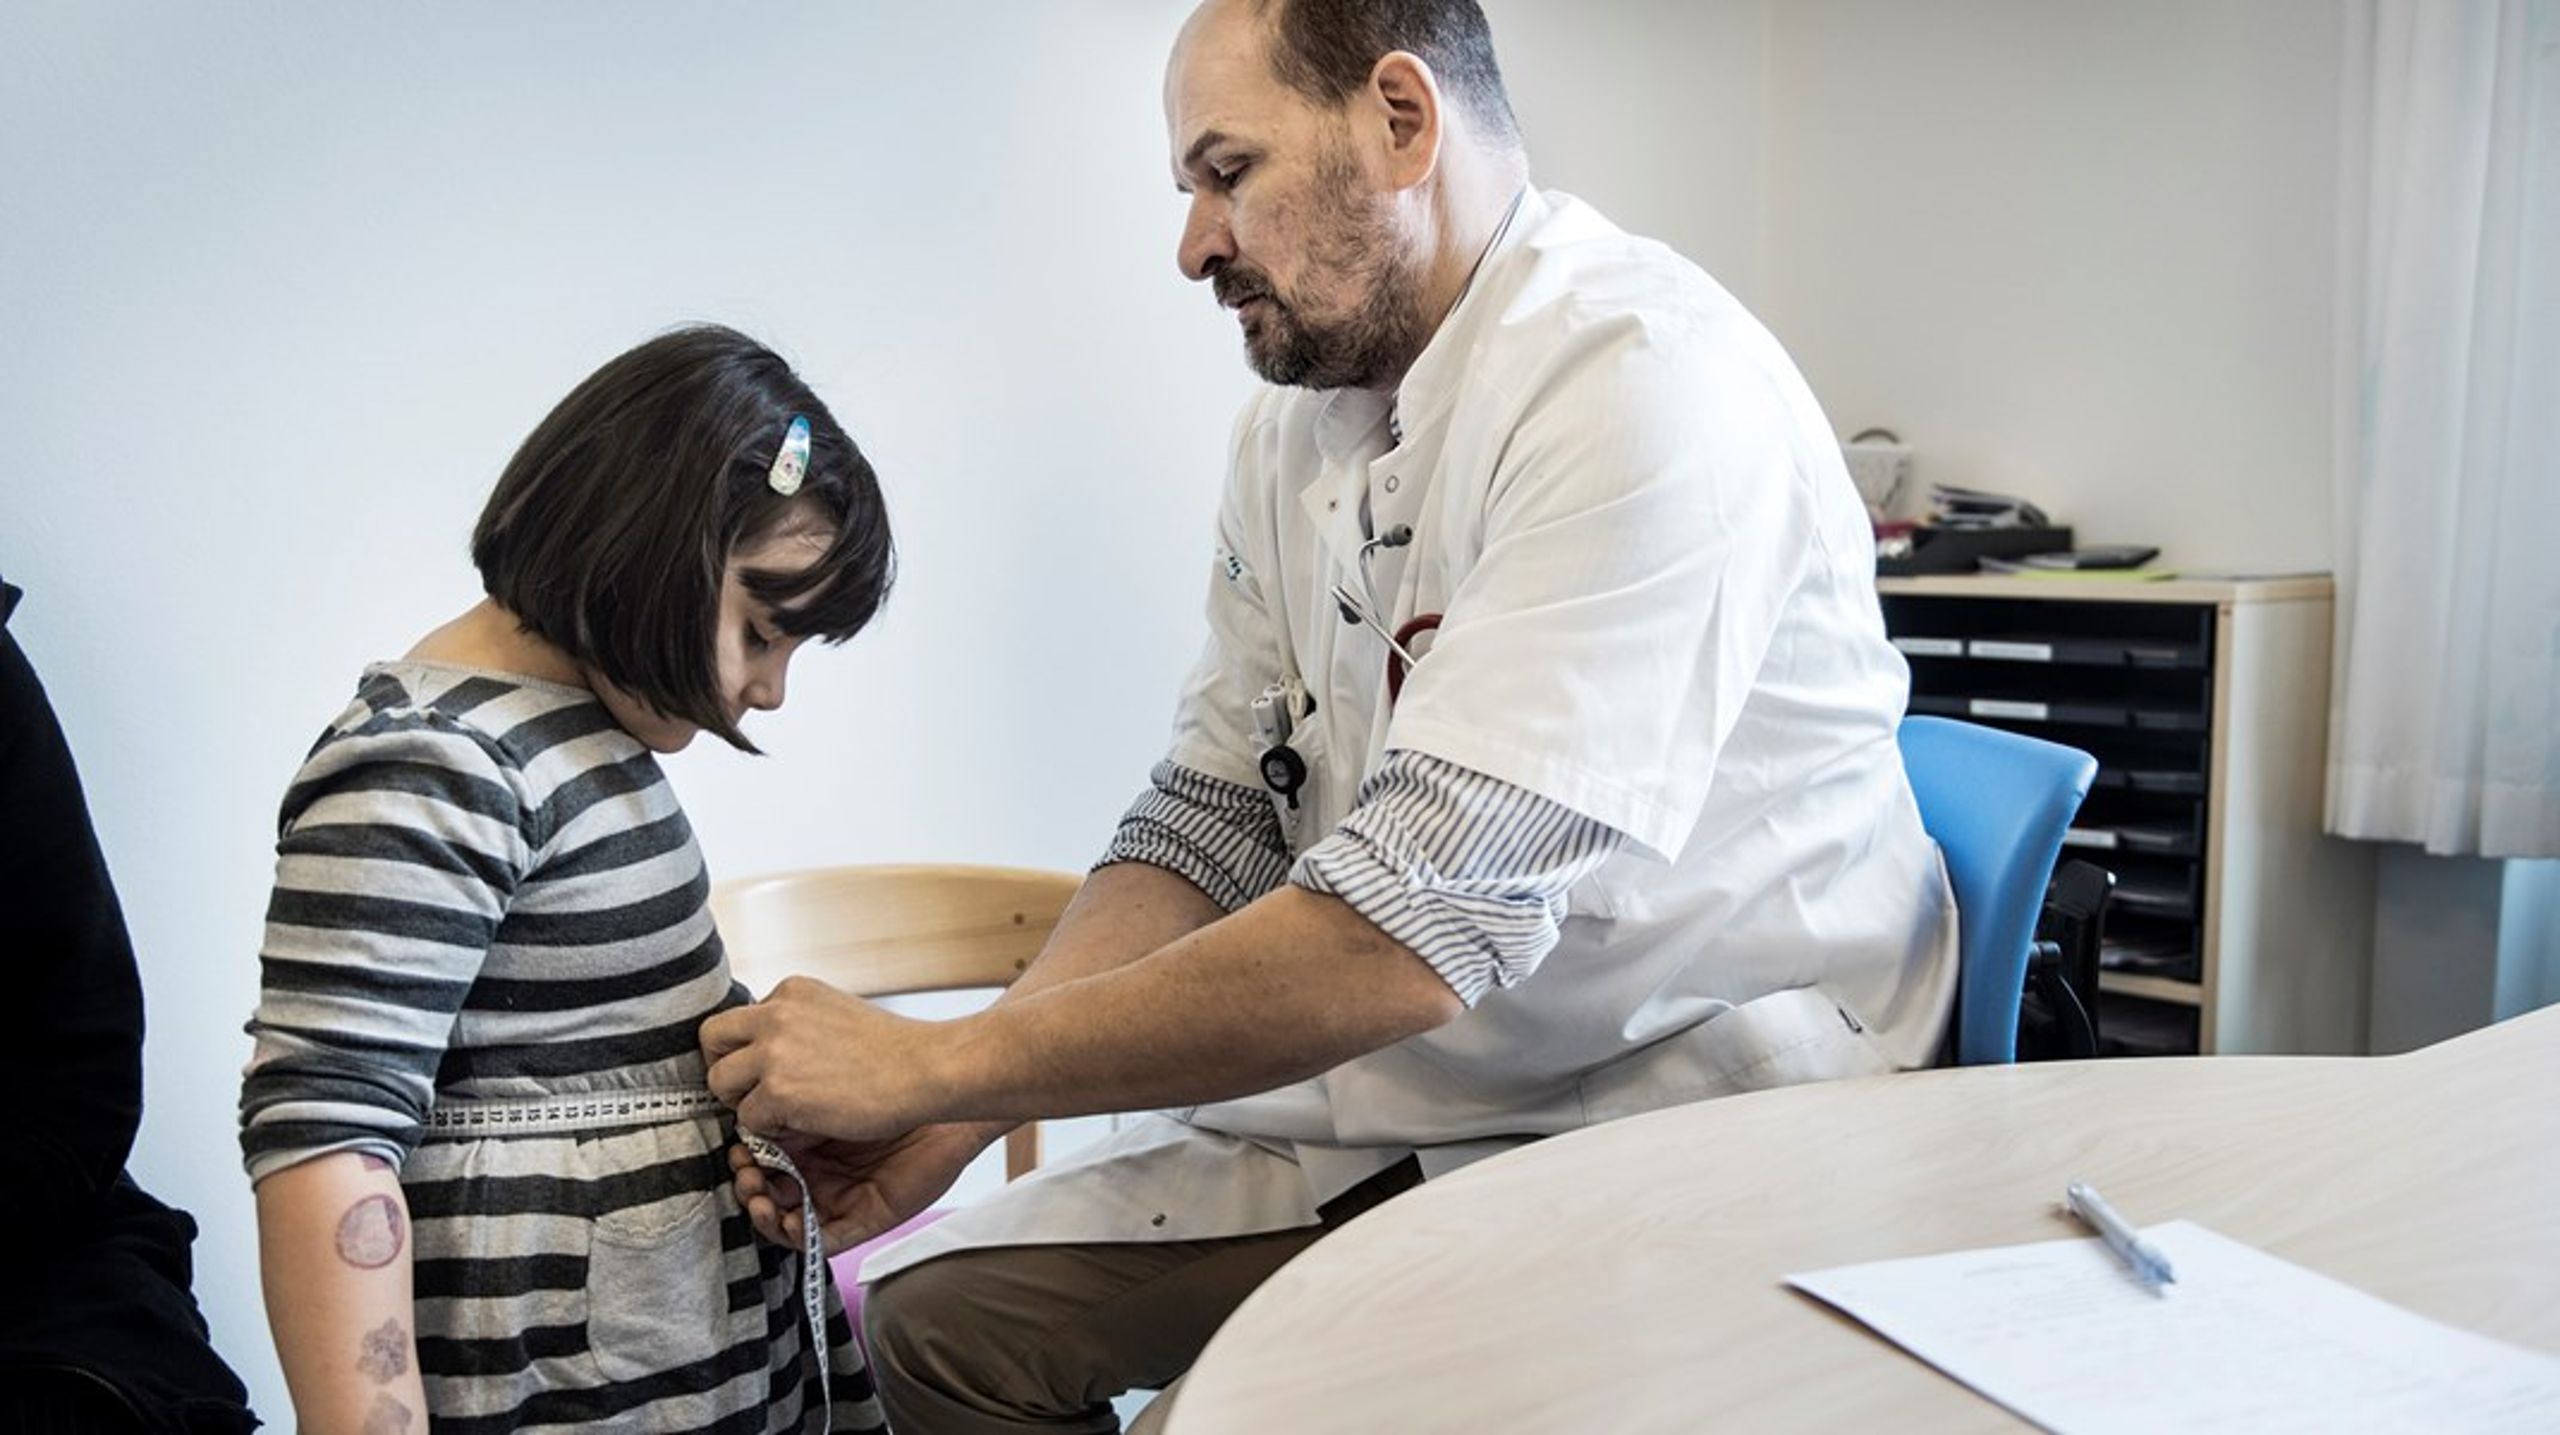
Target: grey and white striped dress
pixel 485 891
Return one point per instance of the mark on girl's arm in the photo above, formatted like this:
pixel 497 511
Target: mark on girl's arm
pixel 385 1355
pixel 373 1162
pixel 372 1232
pixel 388 1417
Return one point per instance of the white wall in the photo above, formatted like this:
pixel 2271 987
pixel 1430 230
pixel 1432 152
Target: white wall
pixel 2081 250
pixel 1656 111
pixel 281 289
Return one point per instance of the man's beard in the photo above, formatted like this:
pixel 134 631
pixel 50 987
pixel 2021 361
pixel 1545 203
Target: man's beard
pixel 1365 348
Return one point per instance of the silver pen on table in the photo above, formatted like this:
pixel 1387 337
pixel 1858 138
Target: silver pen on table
pixel 2083 1201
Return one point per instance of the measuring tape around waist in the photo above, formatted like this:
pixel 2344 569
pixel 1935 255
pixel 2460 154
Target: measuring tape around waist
pixel 591 1111
pixel 454 1118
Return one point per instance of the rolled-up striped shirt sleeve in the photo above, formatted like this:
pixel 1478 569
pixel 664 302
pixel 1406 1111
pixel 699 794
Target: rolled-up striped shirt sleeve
pixel 1219 836
pixel 1468 871
pixel 400 847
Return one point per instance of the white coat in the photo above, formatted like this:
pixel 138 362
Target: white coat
pixel 1659 611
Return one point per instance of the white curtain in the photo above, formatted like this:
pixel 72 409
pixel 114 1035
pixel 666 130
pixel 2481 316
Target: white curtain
pixel 2445 723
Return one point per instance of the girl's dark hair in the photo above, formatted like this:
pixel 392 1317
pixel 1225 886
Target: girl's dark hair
pixel 612 528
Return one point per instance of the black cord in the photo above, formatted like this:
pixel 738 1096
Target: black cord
pixel 2088 1025
pixel 2044 968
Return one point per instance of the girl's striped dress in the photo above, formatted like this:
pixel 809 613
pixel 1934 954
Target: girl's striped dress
pixel 485 893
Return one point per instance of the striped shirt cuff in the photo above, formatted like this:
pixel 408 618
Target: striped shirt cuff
pixel 1467 870
pixel 1219 836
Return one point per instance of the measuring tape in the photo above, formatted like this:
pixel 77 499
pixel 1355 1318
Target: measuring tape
pixel 639 1107
pixel 813 1262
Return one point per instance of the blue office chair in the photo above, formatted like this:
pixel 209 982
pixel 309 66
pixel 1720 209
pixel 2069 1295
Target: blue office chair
pixel 1997 803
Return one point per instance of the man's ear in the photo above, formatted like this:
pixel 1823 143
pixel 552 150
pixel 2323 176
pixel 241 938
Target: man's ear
pixel 1408 96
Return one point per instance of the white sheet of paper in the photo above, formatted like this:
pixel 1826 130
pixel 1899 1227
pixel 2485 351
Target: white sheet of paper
pixel 2062 1333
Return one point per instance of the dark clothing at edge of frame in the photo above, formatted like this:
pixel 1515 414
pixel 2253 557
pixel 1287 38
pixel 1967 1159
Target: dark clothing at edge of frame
pixel 96 1308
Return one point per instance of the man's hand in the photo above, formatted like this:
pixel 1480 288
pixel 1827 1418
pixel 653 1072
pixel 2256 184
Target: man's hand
pixel 860 1188
pixel 810 1062
pixel 1294 984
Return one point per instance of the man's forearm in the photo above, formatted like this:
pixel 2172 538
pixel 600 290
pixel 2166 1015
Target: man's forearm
pixel 1122 913
pixel 1289 987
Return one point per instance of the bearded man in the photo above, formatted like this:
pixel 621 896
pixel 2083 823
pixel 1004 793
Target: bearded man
pixel 1540 768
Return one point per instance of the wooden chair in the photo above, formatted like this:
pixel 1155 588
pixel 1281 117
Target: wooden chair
pixel 879 931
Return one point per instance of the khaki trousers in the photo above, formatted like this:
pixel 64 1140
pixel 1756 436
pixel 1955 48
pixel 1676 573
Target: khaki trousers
pixel 1015 1338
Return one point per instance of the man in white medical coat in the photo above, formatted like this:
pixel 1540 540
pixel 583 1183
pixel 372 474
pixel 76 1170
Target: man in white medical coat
pixel 1540 768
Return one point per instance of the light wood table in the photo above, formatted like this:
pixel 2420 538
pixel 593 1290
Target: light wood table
pixel 1628 1278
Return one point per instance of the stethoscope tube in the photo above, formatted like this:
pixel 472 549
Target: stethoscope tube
pixel 1284 771
pixel 1355 611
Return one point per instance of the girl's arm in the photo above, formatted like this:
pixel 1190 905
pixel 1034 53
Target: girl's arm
pixel 401 845
pixel 333 1244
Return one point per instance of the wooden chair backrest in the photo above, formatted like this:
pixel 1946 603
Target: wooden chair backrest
pixel 879 931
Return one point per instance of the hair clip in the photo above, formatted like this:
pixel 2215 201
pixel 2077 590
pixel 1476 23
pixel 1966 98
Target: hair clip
pixel 792 463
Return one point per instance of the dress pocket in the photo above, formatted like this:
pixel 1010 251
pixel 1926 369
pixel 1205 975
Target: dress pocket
pixel 656 1295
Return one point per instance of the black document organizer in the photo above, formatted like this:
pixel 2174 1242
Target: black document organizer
pixel 2132 684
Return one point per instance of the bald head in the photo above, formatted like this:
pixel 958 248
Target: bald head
pixel 1327 49
pixel 1337 204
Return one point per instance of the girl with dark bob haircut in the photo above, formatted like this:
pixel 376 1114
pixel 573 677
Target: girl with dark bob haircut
pixel 492 1183
pixel 611 527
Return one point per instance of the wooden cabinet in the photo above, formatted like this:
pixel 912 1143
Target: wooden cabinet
pixel 2237 926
